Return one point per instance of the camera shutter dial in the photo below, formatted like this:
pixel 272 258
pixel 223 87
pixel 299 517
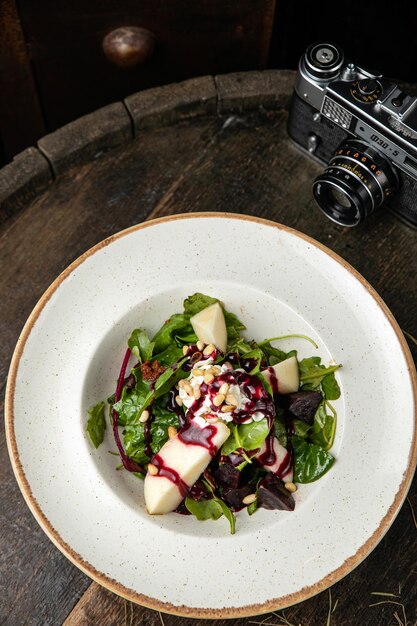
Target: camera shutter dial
pixel 323 61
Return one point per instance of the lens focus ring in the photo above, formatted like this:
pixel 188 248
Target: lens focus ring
pixel 355 183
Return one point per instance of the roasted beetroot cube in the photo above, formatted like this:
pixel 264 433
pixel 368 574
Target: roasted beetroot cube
pixel 273 495
pixel 234 497
pixel 227 476
pixel 303 405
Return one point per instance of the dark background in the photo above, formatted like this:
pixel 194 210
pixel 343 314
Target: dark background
pixel 53 70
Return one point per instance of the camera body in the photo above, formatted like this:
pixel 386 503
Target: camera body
pixel 364 128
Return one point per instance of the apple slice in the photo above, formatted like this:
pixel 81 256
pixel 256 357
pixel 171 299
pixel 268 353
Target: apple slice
pixel 179 463
pixel 283 377
pixel 282 465
pixel 210 327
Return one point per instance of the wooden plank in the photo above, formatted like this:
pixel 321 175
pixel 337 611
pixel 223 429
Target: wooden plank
pixel 172 103
pixel 87 138
pixel 22 180
pixel 37 584
pixel 242 91
pixel 21 120
pixel 100 606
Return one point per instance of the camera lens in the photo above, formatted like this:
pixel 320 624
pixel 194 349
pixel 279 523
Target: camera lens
pixel 356 182
pixel 340 197
pixel 323 60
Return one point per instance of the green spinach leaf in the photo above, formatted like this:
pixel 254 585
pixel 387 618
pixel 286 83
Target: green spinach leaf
pixel 275 355
pixel 204 509
pixel 170 355
pixel 96 424
pixel 312 372
pixel 141 345
pixel 176 324
pixel 330 387
pixel 134 433
pixel 311 461
pixel 247 436
pixel 197 302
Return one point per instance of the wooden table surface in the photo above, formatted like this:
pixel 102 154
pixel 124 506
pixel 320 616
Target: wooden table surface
pixel 205 145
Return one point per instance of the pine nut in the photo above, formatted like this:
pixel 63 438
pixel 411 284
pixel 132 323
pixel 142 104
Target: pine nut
pixel 144 417
pixel 224 389
pixel 291 487
pixel 152 469
pixel 218 400
pixel 172 432
pixel 200 345
pixel 211 419
pixel 208 378
pixel 197 372
pixel 181 383
pixel 196 357
pixel 178 400
pixel 216 370
pixel 249 498
pixel 209 349
pixel 231 399
pixel 197 392
pixel 185 350
pixel 227 409
pixel 188 389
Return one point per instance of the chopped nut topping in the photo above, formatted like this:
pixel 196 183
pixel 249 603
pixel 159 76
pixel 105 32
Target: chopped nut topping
pixel 218 400
pixel 144 417
pixel 224 389
pixel 291 487
pixel 249 498
pixel 152 469
pixel 172 432
pixel 231 399
pixel 197 356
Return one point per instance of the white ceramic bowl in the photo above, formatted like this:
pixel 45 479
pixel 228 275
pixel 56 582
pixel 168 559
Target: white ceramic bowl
pixel 277 281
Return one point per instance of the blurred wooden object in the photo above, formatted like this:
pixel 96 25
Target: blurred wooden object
pixel 60 60
pixel 21 120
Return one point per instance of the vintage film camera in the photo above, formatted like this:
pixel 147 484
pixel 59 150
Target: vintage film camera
pixel 364 127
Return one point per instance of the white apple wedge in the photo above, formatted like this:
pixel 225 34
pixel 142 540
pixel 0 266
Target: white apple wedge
pixel 283 377
pixel 184 461
pixel 210 327
pixel 282 461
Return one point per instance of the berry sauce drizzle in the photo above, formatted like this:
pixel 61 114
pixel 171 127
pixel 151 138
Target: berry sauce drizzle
pixel 273 380
pixel 171 474
pixel 147 435
pixel 194 435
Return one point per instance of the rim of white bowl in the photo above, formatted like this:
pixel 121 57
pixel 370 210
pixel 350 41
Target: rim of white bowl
pixel 113 585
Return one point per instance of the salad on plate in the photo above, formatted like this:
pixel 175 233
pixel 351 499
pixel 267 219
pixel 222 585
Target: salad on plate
pixel 214 422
